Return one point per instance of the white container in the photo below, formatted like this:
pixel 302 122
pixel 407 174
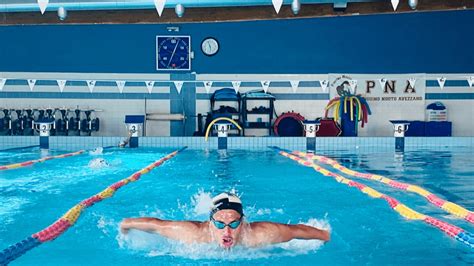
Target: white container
pixel 437 115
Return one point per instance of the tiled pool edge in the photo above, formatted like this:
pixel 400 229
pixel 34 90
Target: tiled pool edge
pixel 293 143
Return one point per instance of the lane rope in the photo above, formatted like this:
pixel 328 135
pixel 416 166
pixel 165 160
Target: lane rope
pixel 31 162
pixel 448 206
pixel 453 231
pixel 70 217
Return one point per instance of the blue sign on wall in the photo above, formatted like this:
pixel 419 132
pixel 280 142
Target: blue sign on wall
pixel 173 53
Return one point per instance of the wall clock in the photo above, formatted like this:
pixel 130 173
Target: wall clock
pixel 210 46
pixel 173 52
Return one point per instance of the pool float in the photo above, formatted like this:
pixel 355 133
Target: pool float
pixel 27 163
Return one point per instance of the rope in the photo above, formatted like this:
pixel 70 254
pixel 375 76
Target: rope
pixel 27 163
pixel 70 217
pixel 453 231
pixel 449 207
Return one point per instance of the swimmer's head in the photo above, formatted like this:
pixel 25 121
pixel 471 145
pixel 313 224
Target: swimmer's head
pixel 226 201
pixel 226 219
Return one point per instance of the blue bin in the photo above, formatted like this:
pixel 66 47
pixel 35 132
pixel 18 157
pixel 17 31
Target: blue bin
pixel 438 129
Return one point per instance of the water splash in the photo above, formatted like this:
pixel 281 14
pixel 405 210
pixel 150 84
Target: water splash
pixel 152 245
pixel 96 151
pixel 202 202
pixel 98 163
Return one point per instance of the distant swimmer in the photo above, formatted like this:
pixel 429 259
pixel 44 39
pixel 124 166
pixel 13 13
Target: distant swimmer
pixel 97 151
pixel 98 163
pixel 125 142
pixel 226 227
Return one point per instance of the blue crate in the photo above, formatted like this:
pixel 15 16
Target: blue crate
pixel 438 129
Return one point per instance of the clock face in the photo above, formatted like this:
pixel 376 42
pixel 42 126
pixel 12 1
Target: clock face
pixel 210 46
pixel 173 52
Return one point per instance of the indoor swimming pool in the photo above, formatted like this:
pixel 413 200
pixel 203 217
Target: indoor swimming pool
pixel 364 230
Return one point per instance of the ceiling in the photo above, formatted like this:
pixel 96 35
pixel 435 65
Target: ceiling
pixel 32 5
pixel 15 12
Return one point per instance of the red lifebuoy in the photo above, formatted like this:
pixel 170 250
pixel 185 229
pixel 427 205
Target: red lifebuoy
pixel 290 115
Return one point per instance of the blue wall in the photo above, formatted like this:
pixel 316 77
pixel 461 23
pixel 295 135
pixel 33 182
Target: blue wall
pixel 429 42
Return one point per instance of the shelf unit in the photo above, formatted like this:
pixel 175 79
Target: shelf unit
pixel 227 95
pixel 259 117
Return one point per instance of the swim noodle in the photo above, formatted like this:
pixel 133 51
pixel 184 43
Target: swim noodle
pixel 70 217
pixel 449 207
pixel 360 113
pixel 27 163
pixel 219 119
pixel 453 231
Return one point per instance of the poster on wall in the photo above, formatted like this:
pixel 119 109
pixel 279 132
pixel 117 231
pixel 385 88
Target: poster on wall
pixel 390 97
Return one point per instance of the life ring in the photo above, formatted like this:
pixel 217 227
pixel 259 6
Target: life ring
pixel 289 125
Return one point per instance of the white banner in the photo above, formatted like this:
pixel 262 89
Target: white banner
pixel 265 85
pixel 236 85
pixel 324 84
pixel 353 85
pixel 91 85
pixel 207 86
pixel 149 85
pixel 395 4
pixel 277 5
pixel 61 84
pixel 294 85
pixel 160 5
pixel 412 82
pixel 120 85
pixel 470 80
pixel 441 82
pixel 2 83
pixel 382 82
pixel 178 85
pixel 31 83
pixel 43 4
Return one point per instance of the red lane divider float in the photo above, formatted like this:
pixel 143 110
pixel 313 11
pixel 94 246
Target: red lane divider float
pixel 70 217
pixel 453 231
pixel 449 207
pixel 27 163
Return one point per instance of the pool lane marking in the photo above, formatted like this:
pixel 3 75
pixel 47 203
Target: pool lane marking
pixel 31 162
pixel 448 206
pixel 70 217
pixel 453 231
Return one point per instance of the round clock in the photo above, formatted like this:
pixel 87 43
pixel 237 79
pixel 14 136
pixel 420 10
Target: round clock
pixel 210 46
pixel 174 52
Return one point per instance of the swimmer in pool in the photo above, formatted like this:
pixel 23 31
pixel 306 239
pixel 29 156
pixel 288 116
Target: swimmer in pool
pixel 98 163
pixel 226 227
pixel 125 142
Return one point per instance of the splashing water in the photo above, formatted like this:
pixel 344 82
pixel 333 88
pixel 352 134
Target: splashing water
pixel 96 151
pixel 153 245
pixel 202 202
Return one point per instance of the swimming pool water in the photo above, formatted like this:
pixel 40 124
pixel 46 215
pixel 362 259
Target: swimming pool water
pixel 363 230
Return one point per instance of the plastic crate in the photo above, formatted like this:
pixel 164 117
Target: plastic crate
pixel 438 129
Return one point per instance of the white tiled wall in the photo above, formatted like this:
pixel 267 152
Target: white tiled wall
pixel 460 112
pixel 326 143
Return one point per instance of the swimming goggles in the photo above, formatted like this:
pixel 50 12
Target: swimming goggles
pixel 221 225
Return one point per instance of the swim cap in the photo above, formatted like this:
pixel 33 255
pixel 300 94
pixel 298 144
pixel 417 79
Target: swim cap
pixel 226 201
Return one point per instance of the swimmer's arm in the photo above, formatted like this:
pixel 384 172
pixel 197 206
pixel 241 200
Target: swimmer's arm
pixel 271 233
pixel 185 231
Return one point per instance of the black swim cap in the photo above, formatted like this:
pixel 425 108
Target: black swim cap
pixel 226 201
